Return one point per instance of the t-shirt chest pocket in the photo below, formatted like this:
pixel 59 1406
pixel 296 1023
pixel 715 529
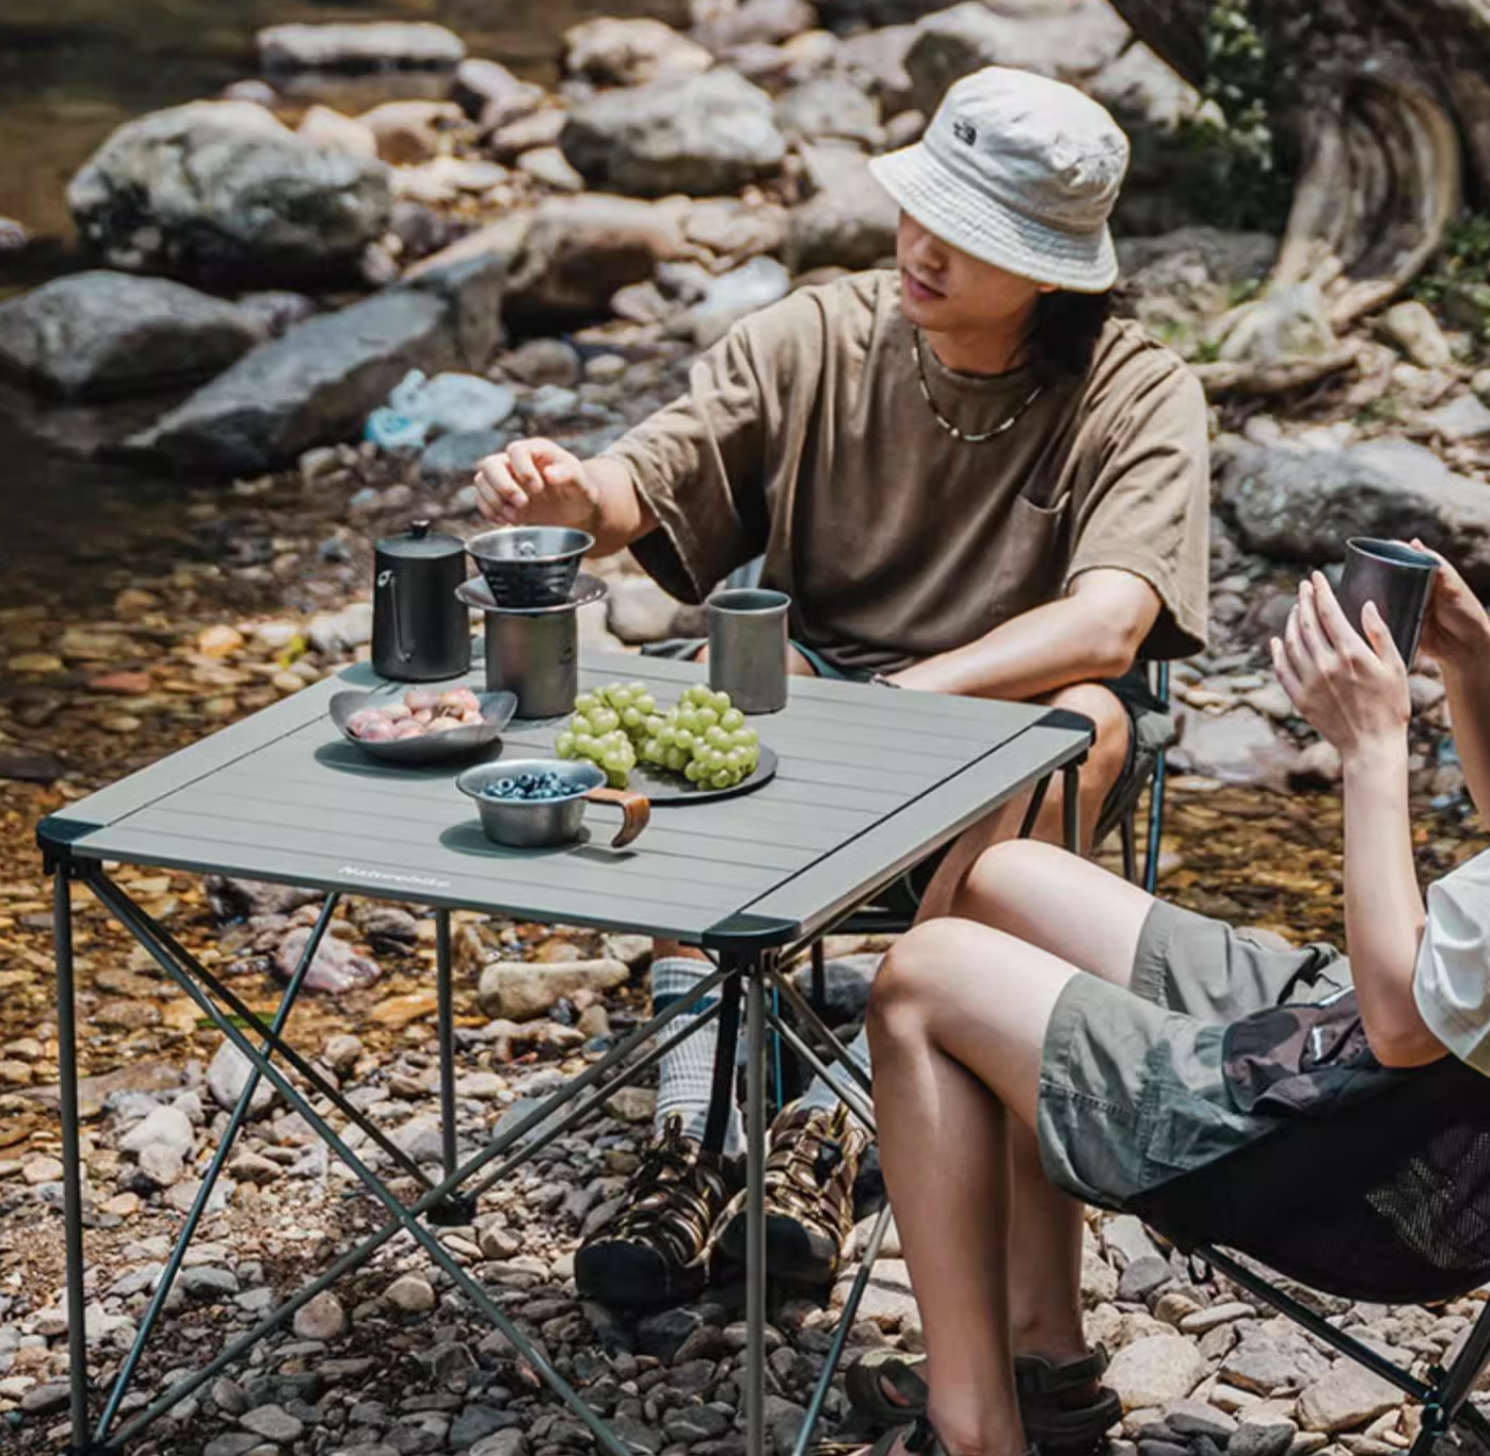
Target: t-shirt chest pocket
pixel 1027 564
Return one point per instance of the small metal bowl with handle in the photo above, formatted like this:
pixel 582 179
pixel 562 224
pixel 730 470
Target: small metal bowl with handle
pixel 530 566
pixel 538 823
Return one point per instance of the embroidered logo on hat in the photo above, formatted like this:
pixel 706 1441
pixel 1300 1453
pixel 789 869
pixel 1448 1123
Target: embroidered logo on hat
pixel 964 131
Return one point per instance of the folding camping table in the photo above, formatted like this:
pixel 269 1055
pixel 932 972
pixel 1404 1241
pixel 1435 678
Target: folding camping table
pixel 870 781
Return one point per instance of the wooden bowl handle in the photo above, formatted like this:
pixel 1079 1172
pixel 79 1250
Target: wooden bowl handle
pixel 636 810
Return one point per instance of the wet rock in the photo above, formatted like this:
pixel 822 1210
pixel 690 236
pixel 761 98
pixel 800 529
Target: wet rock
pixel 1155 1370
pixel 1414 330
pixel 950 44
pixel 520 991
pixel 334 131
pixel 227 1076
pixel 1300 503
pixel 613 52
pixel 316 384
pixel 219 190
pixel 578 251
pixel 702 135
pixel 101 332
pixel 1348 1397
pixel 850 221
pixel 353 46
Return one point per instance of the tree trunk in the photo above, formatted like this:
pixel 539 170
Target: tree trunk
pixel 1385 104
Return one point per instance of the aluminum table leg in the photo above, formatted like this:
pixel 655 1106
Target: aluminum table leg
pixel 754 977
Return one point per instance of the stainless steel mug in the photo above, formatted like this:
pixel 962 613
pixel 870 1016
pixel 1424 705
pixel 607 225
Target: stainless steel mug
pixel 1397 578
pixel 536 656
pixel 748 647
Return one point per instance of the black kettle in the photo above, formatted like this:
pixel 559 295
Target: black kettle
pixel 421 633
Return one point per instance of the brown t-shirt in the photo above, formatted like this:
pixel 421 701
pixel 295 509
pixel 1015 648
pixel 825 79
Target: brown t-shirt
pixel 804 437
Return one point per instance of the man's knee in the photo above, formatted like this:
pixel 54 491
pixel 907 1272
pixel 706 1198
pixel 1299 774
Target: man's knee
pixel 1109 752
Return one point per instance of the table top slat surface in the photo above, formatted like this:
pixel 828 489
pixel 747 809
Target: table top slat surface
pixel 869 780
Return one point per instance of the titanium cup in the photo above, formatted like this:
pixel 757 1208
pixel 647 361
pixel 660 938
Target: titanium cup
pixel 1397 578
pixel 748 647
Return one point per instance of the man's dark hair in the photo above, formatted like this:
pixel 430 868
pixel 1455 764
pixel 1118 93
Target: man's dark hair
pixel 1063 333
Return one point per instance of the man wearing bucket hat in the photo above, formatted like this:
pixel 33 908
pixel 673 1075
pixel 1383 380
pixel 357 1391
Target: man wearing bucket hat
pixel 970 480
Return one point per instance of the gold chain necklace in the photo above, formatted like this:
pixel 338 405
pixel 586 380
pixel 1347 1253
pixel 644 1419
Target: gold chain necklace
pixel 944 422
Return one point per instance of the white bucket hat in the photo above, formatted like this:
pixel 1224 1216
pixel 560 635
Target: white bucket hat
pixel 1020 171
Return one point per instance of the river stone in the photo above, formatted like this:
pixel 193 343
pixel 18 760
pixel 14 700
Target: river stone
pixel 1155 1371
pixel 227 1076
pixel 889 1300
pixel 321 1318
pixel 703 135
pixel 102 332
pixel 850 221
pixel 352 46
pixel 208 1284
pixel 1300 504
pixel 954 43
pixel 1270 1363
pixel 273 1423
pixel 520 991
pixel 577 252
pixel 1413 329
pixel 412 1294
pixel 1256 1437
pixel 460 453
pixel 829 106
pixel 1348 1397
pixel 315 385
pixel 165 1126
pixel 1237 747
pixel 220 191
pixel 512 1442
pixel 334 131
pixel 232 1443
pixel 613 52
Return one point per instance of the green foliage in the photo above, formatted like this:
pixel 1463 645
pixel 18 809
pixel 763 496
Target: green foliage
pixel 1464 258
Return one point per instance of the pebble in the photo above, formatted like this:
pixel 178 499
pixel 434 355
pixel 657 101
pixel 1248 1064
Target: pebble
pixel 1155 1370
pixel 341 1052
pixel 1218 1314
pixel 45 1400
pixel 208 1284
pixel 511 1442
pixel 412 1294
pixel 322 1318
pixel 42 1170
pixel 1349 1396
pixel 273 1423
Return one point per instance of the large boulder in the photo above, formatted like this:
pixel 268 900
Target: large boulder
pixel 360 46
pixel 221 192
pixel 615 52
pixel 1302 504
pixel 829 106
pixel 950 44
pixel 703 135
pixel 103 333
pixel 579 251
pixel 850 220
pixel 319 381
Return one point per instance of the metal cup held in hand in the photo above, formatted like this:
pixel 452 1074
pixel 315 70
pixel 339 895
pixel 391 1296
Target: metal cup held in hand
pixel 748 647
pixel 1397 578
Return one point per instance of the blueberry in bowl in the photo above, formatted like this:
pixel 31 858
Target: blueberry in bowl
pixel 533 803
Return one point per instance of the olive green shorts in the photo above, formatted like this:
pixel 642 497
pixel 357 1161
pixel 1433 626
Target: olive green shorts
pixel 1131 1092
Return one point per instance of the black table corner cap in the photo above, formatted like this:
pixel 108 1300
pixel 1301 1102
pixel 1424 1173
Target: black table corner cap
pixel 1065 718
pixel 56 832
pixel 746 932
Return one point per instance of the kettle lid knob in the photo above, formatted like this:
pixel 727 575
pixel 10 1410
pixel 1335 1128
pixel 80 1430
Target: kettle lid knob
pixel 419 529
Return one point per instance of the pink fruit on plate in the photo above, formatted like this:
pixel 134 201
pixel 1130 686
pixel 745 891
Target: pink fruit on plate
pixel 473 719
pixel 411 729
pixel 378 731
pixel 459 701
pixel 421 700
pixel 396 712
pixel 445 725
pixel 363 719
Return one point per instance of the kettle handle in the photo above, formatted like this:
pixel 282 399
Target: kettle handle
pixel 387 578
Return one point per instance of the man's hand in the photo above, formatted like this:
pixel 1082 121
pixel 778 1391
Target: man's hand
pixel 536 483
pixel 1456 628
pixel 1352 689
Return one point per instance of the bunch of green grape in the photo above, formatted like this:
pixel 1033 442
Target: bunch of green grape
pixel 606 727
pixel 704 738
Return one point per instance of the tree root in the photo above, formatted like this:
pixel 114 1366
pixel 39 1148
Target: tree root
pixel 1283 377
pixel 1380 184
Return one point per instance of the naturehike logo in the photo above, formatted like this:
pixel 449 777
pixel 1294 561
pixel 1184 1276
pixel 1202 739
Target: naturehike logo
pixel 424 882
pixel 964 131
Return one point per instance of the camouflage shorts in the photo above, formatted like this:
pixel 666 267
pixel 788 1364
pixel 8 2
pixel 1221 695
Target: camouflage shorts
pixel 1131 1090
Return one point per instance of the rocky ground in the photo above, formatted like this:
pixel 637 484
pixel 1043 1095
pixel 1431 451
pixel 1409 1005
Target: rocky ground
pixel 449 229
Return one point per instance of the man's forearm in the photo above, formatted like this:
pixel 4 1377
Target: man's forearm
pixel 1048 647
pixel 1383 905
pixel 1468 685
pixel 621 514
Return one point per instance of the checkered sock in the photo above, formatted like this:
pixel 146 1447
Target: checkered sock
pixel 823 1096
pixel 685 1076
